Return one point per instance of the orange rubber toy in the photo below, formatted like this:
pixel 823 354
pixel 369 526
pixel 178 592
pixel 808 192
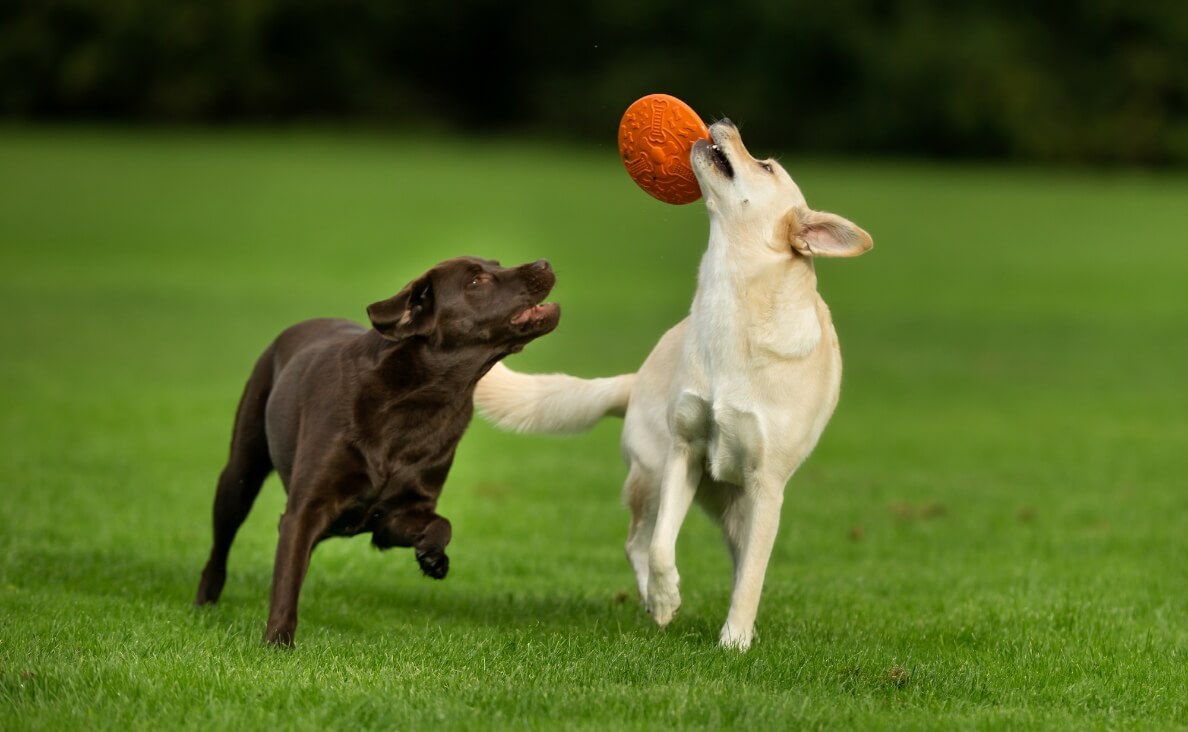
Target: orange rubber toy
pixel 655 137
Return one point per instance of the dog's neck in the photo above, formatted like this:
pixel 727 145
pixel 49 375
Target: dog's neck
pixel 417 369
pixel 735 261
pixel 754 293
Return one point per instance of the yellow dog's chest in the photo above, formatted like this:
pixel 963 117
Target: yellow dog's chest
pixel 729 435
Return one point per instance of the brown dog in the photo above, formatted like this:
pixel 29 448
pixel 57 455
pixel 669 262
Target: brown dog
pixel 361 425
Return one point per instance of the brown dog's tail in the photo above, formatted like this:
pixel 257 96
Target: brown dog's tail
pixel 549 403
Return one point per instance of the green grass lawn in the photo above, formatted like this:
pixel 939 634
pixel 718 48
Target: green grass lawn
pixel 993 532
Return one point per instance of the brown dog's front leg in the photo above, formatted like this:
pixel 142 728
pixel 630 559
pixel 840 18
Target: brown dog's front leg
pixel 299 532
pixel 430 547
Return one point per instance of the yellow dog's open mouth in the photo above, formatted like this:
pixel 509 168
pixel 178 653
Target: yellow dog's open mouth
pixel 720 161
pixel 716 155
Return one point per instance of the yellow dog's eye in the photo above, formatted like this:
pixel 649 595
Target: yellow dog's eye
pixel 766 166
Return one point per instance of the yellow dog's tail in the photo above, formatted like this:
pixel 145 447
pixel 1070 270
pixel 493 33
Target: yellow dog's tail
pixel 549 403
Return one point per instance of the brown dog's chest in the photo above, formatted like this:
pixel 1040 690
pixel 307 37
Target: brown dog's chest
pixel 389 509
pixel 396 482
pixel 392 458
pixel 398 448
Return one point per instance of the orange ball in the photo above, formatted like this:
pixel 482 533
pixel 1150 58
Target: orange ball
pixel 656 134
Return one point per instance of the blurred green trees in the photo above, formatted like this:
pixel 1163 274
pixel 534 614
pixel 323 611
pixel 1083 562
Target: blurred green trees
pixel 1095 80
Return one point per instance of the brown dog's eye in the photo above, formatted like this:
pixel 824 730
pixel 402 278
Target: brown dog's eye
pixel 480 279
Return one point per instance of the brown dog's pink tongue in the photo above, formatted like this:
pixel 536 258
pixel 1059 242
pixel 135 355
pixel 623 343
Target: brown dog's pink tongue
pixel 536 312
pixel 524 316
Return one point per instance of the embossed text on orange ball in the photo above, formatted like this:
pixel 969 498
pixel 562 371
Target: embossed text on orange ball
pixel 656 134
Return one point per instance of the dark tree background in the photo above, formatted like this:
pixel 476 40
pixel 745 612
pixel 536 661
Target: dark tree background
pixel 1102 81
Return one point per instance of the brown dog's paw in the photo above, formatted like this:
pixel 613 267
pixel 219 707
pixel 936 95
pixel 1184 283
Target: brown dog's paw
pixel 280 637
pixel 210 586
pixel 433 563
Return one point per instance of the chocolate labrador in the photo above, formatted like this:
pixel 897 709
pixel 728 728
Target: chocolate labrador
pixel 362 424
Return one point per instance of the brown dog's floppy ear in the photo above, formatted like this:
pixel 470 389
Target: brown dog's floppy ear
pixel 821 234
pixel 408 313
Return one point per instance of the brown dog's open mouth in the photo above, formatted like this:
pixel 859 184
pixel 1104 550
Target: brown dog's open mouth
pixel 537 314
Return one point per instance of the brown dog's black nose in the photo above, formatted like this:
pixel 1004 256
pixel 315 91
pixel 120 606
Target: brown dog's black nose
pixel 540 264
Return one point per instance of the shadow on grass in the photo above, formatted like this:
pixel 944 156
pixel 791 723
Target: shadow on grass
pixel 353 606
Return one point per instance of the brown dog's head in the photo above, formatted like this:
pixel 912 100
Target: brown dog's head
pixel 469 301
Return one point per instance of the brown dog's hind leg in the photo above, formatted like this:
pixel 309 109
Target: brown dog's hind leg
pixel 239 484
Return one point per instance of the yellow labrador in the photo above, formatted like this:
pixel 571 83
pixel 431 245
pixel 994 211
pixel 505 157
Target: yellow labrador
pixel 732 399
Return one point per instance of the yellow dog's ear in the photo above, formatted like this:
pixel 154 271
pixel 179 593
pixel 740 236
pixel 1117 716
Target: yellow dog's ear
pixel 821 234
